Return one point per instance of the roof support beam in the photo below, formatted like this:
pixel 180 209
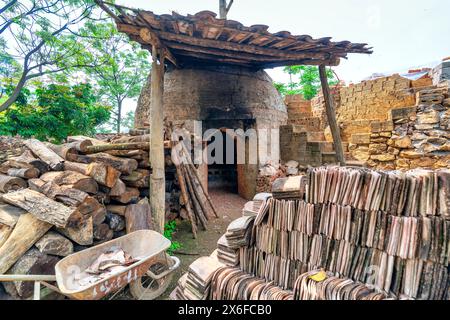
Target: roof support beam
pixel 331 115
pixel 157 178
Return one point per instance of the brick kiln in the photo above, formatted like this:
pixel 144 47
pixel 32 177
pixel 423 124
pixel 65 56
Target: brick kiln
pixel 221 98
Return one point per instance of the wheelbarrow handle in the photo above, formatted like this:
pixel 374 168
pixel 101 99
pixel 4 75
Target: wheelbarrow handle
pixel 167 272
pixel 26 278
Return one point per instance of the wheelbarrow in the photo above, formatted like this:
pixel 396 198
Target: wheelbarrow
pixel 148 278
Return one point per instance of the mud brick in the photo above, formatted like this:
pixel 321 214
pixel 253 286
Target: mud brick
pixel 381 126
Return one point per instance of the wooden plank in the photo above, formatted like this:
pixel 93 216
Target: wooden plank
pixel 331 115
pixel 27 232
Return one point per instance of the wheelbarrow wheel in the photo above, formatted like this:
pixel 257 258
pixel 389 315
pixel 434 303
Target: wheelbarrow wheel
pixel 141 290
pixel 148 288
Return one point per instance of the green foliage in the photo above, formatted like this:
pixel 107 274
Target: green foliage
pixel 54 112
pixel 169 229
pixel 117 67
pixel 308 83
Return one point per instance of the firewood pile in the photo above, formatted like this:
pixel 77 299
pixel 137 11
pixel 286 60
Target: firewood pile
pixel 57 199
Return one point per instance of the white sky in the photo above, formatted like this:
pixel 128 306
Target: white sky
pixel 404 33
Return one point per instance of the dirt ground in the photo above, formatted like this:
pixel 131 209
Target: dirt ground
pixel 229 207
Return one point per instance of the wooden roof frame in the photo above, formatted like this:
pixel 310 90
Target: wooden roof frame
pixel 202 38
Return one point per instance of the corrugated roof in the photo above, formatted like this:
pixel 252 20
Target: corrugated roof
pixel 202 38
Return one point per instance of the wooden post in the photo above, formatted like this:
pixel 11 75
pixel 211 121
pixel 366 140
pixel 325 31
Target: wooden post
pixel 157 180
pixel 331 115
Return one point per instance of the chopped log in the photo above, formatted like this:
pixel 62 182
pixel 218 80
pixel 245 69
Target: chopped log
pixel 55 244
pixel 26 233
pixel 103 233
pixel 66 195
pixel 99 216
pixel 80 145
pixel 103 174
pixel 45 154
pixel 43 208
pixel 29 173
pixel 139 131
pixel 133 154
pixel 138 217
pixel 72 179
pixel 117 146
pixel 8 183
pixel 32 263
pixel 118 189
pixel 9 215
pixel 61 150
pixel 133 139
pixel 116 222
pixel 102 197
pixel 5 232
pixel 82 234
pixel 116 209
pixel 28 158
pixel 125 166
pixel 83 138
pixel 129 196
pixel 138 179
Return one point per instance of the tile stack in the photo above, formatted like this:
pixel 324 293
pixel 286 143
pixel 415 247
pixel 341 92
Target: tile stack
pixel 198 280
pixel 376 234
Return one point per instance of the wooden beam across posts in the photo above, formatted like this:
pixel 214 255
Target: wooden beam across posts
pixel 331 115
pixel 157 161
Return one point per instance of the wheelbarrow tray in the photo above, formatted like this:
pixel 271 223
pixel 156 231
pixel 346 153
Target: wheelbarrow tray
pixel 145 245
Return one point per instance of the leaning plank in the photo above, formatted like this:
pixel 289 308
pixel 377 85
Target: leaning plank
pixel 73 179
pixel 42 207
pixel 138 217
pixel 125 166
pixel 82 235
pixel 45 154
pixel 55 244
pixel 27 232
pixel 8 183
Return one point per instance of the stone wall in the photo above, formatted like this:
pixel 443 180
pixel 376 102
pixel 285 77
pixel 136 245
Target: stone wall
pixel 358 105
pixel 413 137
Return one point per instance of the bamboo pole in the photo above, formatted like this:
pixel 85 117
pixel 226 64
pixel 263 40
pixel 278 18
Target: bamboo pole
pixel 331 115
pixel 157 180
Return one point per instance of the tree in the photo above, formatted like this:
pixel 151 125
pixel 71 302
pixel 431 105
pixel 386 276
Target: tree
pixel 117 66
pixel 308 83
pixel 224 8
pixel 39 33
pixel 56 112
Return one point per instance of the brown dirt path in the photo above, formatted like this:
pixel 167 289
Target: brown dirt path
pixel 229 207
